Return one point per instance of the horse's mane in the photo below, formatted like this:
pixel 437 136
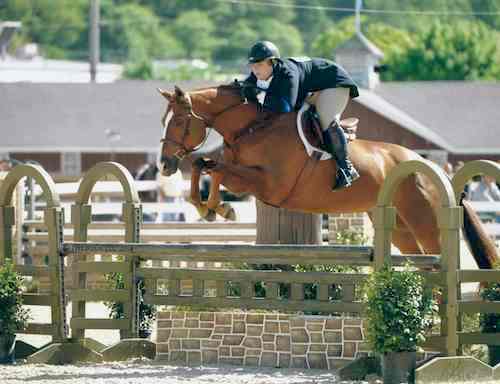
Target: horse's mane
pixel 234 88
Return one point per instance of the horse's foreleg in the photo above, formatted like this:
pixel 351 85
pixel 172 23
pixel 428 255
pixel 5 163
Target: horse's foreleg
pixel 195 196
pixel 213 203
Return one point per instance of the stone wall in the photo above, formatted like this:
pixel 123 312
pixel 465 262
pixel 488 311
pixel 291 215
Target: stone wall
pixel 271 340
pixel 353 222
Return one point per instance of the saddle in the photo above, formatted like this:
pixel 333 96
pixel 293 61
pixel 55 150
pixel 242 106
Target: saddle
pixel 312 127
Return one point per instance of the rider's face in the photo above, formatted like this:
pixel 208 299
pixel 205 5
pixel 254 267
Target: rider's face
pixel 262 69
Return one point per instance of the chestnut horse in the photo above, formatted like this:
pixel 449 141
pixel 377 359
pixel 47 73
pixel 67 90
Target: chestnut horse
pixel 264 156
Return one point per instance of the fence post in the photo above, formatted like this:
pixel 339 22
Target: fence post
pixel 132 215
pixel 384 223
pixel 54 219
pixel 450 222
pixel 80 218
pixel 7 219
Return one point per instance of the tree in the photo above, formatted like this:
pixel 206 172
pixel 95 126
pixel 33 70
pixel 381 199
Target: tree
pixel 285 36
pixel 134 33
pixel 311 23
pixel 464 51
pixel 488 6
pixel 56 27
pixel 195 31
pixel 324 45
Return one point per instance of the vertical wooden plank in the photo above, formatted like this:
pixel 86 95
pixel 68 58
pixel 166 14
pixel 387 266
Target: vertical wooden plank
pixel 7 219
pixel 81 215
pixel 221 288
pixel 132 215
pixel 384 222
pixel 54 220
pixel 247 289
pixel 272 291
pixel 19 220
pixel 297 292
pixel 450 222
pixel 348 292
pixel 173 287
pixel 323 292
pixel 197 288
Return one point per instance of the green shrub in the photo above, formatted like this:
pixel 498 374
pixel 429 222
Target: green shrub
pixel 398 310
pixel 13 316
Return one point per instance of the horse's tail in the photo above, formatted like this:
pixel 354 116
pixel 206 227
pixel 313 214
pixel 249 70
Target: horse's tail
pixel 481 245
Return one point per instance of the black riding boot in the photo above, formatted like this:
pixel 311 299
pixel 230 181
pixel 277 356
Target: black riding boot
pixel 336 145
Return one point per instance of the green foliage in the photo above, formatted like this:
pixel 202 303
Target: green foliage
pixel 416 46
pixel 463 51
pixel 147 312
pixel 398 309
pixel 13 316
pixel 195 30
pixel 138 70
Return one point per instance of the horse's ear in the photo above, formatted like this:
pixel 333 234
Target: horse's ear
pixel 166 94
pixel 179 92
pixel 182 98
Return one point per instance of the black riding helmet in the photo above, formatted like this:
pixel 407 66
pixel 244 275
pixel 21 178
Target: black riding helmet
pixel 263 50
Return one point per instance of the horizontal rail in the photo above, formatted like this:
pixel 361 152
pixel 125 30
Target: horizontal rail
pixel 479 306
pixel 251 275
pixel 32 270
pixel 418 260
pixel 145 226
pixel 163 237
pixel 275 254
pixel 272 304
pixel 36 299
pixel 474 276
pixel 83 323
pixel 101 266
pixel 479 338
pixel 38 329
pixel 121 295
pixel 435 343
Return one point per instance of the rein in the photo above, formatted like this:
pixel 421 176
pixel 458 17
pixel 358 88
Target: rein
pixel 183 151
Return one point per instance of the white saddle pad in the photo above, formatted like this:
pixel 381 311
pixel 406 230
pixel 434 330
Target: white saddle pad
pixel 310 149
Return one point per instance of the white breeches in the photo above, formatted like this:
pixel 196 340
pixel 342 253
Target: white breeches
pixel 330 103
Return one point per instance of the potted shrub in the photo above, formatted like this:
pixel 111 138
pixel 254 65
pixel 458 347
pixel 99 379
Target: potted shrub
pixel 490 322
pixel 398 312
pixel 13 316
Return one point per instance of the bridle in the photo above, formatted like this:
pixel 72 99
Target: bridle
pixel 183 151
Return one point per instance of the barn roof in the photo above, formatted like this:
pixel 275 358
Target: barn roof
pixel 460 117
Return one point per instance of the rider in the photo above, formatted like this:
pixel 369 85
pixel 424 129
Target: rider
pixel 282 85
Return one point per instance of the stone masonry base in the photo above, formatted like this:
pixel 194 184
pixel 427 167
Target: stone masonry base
pixel 254 339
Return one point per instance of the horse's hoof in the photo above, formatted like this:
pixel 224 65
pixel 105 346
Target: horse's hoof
pixel 211 215
pixel 229 213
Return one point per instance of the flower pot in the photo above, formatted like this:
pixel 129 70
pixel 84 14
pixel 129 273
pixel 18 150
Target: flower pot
pixel 398 367
pixel 7 344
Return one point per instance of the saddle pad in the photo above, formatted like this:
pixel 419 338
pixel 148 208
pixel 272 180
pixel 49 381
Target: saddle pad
pixel 310 149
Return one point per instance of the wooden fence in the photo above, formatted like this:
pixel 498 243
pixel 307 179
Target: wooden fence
pixel 229 287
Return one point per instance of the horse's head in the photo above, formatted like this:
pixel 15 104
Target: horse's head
pixel 184 130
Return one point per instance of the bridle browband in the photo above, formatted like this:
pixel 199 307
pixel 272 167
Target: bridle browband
pixel 183 151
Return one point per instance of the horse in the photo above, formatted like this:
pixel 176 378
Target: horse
pixel 264 156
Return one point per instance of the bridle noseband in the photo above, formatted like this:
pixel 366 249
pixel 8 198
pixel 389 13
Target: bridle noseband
pixel 182 152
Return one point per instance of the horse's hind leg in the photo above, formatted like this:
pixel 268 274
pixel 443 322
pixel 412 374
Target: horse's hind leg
pixel 416 201
pixel 403 238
